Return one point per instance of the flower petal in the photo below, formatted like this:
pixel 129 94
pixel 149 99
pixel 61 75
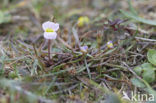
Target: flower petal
pixel 55 26
pixel 110 44
pixel 47 25
pixel 84 49
pixel 50 35
pixel 50 25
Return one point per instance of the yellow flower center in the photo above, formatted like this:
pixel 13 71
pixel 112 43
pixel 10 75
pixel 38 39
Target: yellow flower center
pixel 110 45
pixel 49 30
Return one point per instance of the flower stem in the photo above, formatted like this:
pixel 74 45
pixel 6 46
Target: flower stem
pixel 49 43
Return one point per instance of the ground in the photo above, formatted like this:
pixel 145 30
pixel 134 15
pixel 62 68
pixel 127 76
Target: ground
pixel 103 73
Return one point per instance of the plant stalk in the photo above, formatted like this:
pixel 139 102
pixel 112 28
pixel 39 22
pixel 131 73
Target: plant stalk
pixel 49 45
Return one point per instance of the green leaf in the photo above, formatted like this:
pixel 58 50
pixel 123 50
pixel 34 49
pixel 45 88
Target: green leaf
pixel 112 98
pixel 149 73
pixel 137 18
pixel 4 17
pixel 147 66
pixel 137 83
pixel 131 8
pixel 138 70
pixel 151 91
pixel 151 55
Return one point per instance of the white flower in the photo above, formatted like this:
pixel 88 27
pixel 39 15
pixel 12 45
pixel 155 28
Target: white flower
pixel 50 29
pixel 84 49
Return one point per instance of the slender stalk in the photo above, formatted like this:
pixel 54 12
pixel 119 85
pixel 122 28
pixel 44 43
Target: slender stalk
pixel 49 43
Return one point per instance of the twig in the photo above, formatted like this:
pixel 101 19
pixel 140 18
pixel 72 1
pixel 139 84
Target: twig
pixel 109 78
pixel 64 43
pixel 145 39
pixel 131 70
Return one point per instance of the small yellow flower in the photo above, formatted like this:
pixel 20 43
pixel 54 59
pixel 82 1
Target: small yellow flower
pixel 82 21
pixel 110 44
